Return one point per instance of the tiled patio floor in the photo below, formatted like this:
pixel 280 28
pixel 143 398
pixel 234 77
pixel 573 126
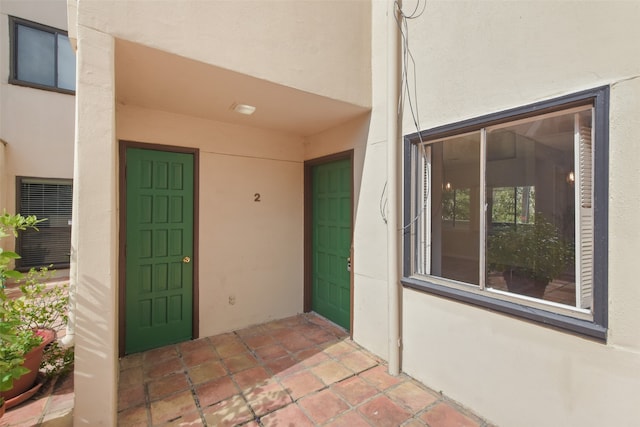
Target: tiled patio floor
pixel 300 371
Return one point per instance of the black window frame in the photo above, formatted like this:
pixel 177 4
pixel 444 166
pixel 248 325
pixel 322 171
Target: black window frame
pixel 14 22
pixel 594 329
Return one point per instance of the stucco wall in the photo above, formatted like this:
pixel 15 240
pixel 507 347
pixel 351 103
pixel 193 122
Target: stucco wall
pixel 280 41
pixel 250 252
pixel 475 58
pixel 37 125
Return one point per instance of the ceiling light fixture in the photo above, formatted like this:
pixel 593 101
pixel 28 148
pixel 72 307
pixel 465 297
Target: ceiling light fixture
pixel 245 109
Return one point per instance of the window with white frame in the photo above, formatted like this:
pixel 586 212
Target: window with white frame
pixel 41 56
pixel 509 211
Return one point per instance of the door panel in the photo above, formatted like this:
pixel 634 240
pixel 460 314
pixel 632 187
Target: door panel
pixel 159 245
pixel 331 241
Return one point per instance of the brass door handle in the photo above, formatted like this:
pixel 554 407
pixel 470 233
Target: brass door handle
pixel 186 260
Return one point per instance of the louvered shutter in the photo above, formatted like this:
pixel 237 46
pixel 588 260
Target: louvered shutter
pixel 584 225
pixel 50 199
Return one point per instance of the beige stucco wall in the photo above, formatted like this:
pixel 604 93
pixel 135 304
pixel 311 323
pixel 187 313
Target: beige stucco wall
pixel 280 41
pixel 249 251
pixel 475 58
pixel 37 125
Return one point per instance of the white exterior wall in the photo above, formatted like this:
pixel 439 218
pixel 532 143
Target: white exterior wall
pixel 475 58
pixel 37 125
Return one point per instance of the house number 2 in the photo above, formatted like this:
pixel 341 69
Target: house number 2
pixel 256 197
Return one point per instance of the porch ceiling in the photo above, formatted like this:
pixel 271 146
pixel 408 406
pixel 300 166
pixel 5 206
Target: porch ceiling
pixel 158 80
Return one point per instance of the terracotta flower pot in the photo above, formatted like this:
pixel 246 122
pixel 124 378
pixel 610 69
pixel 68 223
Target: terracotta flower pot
pixel 32 361
pixel 3 408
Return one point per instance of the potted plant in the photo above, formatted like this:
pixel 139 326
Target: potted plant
pixel 529 255
pixel 21 344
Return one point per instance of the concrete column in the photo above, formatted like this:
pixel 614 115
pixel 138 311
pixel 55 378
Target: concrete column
pixel 96 364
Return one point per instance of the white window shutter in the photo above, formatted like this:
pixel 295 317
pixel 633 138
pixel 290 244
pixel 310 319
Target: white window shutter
pixel 584 225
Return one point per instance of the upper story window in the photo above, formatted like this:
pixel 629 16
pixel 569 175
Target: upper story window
pixel 41 57
pixel 509 211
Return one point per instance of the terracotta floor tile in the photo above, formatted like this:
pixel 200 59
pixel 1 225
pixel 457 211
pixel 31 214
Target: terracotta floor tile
pixel 193 345
pixel 130 377
pixel 331 372
pixel 158 355
pixel 230 349
pixel 258 341
pixel 414 423
pixel 191 419
pixel 222 339
pixel 322 337
pixel 297 343
pixel 251 331
pixel 130 397
pixel 167 385
pixel 199 355
pixel 290 415
pixel 358 361
pixel 240 362
pixel 412 396
pixel 207 371
pixel 251 378
pixel 283 366
pixel 215 391
pixel 311 356
pixel 350 419
pixel 339 348
pixel 171 407
pixel 323 406
pixel 133 417
pixel 131 361
pixel 271 352
pixel 301 383
pixel 383 412
pixel 266 398
pixel 167 367
pixel 444 415
pixel 355 390
pixel 229 412
pixel 379 377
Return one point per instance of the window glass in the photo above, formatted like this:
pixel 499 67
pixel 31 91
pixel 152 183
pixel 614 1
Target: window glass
pixel 455 209
pixel 36 56
pixel 66 64
pixel 530 230
pixel 41 57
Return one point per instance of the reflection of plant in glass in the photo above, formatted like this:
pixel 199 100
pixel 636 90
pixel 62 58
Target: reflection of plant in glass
pixel 456 205
pixel 513 205
pixel 532 250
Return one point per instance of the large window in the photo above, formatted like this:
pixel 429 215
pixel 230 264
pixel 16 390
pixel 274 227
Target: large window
pixel 41 57
pixel 504 210
pixel 48 199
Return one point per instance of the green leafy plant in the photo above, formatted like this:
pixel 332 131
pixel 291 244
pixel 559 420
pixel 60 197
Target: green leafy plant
pixel 22 318
pixel 45 307
pixel 534 250
pixel 15 341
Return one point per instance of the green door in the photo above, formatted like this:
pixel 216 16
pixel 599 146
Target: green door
pixel 331 241
pixel 159 246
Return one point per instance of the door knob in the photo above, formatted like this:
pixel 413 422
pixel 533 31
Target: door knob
pixel 186 260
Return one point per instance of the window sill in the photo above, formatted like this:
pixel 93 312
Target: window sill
pixel 41 87
pixel 576 326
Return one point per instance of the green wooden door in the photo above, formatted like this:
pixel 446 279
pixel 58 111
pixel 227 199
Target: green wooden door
pixel 331 241
pixel 159 271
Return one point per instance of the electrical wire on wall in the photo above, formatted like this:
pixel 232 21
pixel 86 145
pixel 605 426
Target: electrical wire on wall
pixel 410 97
